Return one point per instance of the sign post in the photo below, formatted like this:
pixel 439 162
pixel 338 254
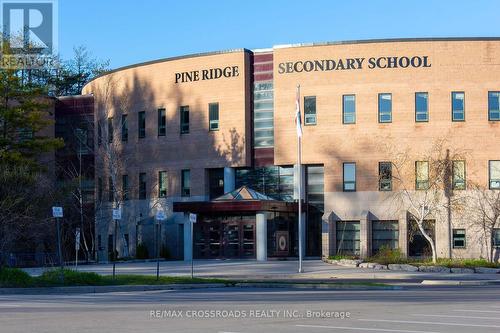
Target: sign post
pixel 77 246
pixel 192 220
pixel 117 215
pixel 57 212
pixel 160 216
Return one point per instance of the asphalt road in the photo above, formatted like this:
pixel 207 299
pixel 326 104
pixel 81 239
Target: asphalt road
pixel 413 310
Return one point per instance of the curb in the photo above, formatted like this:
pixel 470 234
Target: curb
pixel 460 283
pixel 330 286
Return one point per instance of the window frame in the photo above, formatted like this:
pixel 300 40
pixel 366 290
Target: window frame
pixel 380 188
pixel 162 122
pixel 494 238
pixel 344 182
pixel 489 107
pixel 111 130
pixel 426 111
pixel 213 121
pixel 141 130
pixel 162 194
pixel 111 192
pixel 184 126
pixel 344 111
pixel 454 184
pixel 124 128
pixel 314 114
pixel 490 180
pixel 453 93
pixel 125 187
pixel 185 191
pixel 417 188
pixel 142 191
pixel 379 111
pixel 453 238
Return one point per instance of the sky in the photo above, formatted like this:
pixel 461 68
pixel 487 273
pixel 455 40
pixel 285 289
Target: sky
pixel 127 32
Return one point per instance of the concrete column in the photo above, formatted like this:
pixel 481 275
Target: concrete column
pixel 403 234
pixel 364 237
pixel 188 245
pixel 325 237
pixel 261 235
pixel 229 179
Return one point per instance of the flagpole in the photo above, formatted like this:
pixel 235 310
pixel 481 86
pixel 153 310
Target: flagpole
pixel 299 177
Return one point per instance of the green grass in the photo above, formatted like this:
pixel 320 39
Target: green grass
pixel 341 256
pixel 460 263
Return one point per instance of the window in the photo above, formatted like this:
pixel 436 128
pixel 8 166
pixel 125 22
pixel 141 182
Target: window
pixel 263 114
pixel 162 184
pixel 496 237
pixel 384 234
pixel 215 182
pixel 310 110
pixel 99 189
pixel 185 183
pixel 494 105
pixel 348 237
pixel 349 109
pixel 124 128
pixel 162 122
pixel 142 124
pixel 458 106
pixel 421 107
pixel 99 133
pixel 349 177
pixel 213 116
pixel 385 176
pixel 459 175
pixel 384 108
pixel 125 187
pixel 494 175
pixel 459 238
pixel 142 185
pixel 184 119
pixel 110 129
pixel 111 190
pixel 421 175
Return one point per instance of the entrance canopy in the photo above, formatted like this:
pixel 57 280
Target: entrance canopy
pixel 241 200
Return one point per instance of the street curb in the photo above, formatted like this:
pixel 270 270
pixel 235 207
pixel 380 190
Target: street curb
pixel 460 283
pixel 330 286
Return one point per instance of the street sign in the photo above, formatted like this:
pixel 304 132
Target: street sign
pixel 160 215
pixel 77 239
pixel 117 214
pixel 192 218
pixel 57 212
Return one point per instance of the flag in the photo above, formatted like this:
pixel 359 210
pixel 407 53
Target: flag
pixel 298 117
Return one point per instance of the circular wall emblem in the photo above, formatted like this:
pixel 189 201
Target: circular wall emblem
pixel 282 243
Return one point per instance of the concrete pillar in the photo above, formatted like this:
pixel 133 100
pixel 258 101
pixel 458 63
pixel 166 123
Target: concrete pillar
pixel 364 236
pixel 188 245
pixel 229 179
pixel 403 234
pixel 261 235
pixel 326 239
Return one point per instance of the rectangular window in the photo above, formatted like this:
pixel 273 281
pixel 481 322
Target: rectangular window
pixel 348 237
pixel 494 105
pixel 496 237
pixel 110 129
pixel 459 238
pixel 142 124
pixel 142 185
pixel 385 176
pixel 111 191
pixel 384 108
pixel 421 175
pixel 184 110
pixel 213 116
pixel 494 175
pixel 99 189
pixel 125 187
pixel 349 109
pixel 421 107
pixel 162 184
pixel 162 122
pixel 384 234
pixel 458 106
pixel 124 128
pixel 349 177
pixel 185 183
pixel 459 175
pixel 99 133
pixel 310 110
pixel 215 182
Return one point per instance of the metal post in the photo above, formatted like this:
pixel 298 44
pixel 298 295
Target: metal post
pixel 115 250
pixel 299 158
pixel 157 251
pixel 59 250
pixel 192 250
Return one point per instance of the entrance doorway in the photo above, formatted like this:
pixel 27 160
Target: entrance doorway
pixel 417 244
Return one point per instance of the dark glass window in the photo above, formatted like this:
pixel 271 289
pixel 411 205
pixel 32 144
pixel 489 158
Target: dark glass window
pixel 421 107
pixel 142 124
pixel 310 110
pixel 349 109
pixel 384 108
pixel 315 185
pixel 459 239
pixel 459 175
pixel 213 116
pixel 111 190
pixel 349 177
pixel 494 175
pixel 99 133
pixel 496 237
pixel 124 128
pixel 185 183
pixel 421 175
pixel 142 185
pixel 385 176
pixel 263 114
pixel 494 105
pixel 184 110
pixel 125 187
pixel 348 237
pixel 458 106
pixel 99 189
pixel 162 184
pixel 162 122
pixel 215 182
pixel 384 234
pixel 110 129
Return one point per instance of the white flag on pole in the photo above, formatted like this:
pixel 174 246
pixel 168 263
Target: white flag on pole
pixel 298 117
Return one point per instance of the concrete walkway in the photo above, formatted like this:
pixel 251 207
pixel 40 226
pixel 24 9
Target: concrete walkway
pixel 314 270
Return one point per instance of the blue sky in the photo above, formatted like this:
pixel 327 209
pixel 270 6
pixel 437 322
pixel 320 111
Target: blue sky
pixel 127 32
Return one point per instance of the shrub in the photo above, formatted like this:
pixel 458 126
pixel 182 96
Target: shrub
pixel 386 256
pixel 14 278
pixel 342 256
pixel 141 252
